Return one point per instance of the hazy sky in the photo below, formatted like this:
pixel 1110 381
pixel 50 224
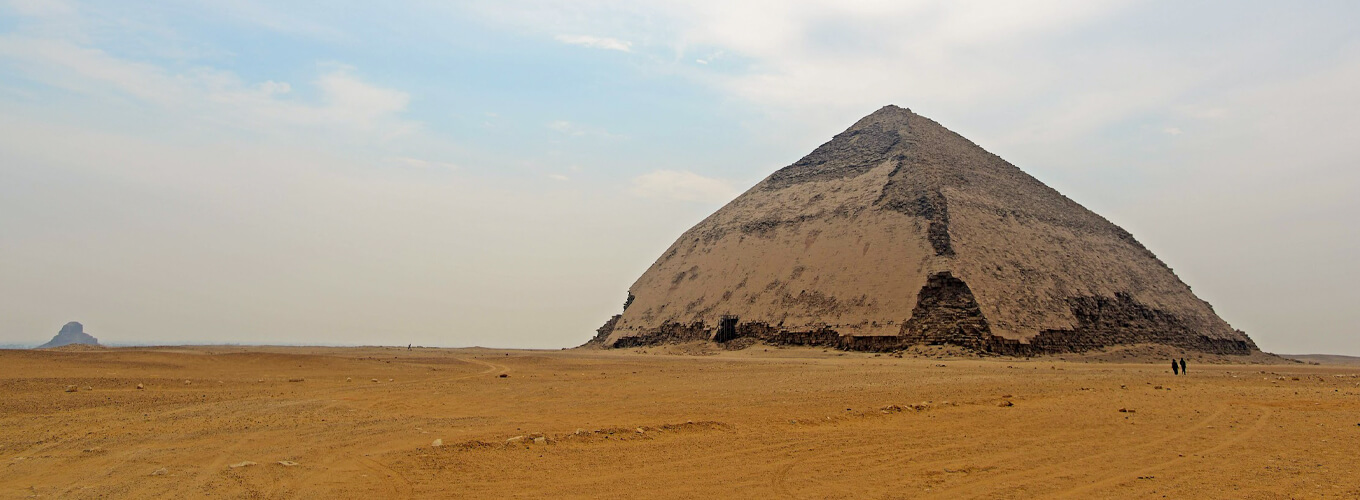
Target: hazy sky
pixel 497 173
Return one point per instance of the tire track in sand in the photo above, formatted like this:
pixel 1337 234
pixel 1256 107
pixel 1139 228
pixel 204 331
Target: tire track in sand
pixel 1114 480
pixel 351 455
pixel 1046 472
pixel 780 484
pixel 399 485
pixel 892 456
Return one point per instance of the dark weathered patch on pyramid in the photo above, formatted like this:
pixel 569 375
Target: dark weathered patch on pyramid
pixel 850 153
pixel 900 232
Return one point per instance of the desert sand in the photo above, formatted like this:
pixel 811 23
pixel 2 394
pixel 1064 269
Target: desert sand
pixel 764 422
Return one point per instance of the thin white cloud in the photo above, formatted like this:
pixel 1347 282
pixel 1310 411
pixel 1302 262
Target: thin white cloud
pixel 563 126
pixel 682 186
pixel 831 61
pixel 420 163
pixel 271 16
pixel 596 42
pixel 41 8
pixel 353 100
pixel 558 177
pixel 346 101
pixel 578 130
pixel 272 87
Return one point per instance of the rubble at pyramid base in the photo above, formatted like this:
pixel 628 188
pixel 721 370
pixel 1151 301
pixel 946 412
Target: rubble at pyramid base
pixel 1047 342
pixel 947 314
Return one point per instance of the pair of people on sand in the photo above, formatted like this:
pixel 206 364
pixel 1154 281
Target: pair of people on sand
pixel 1178 369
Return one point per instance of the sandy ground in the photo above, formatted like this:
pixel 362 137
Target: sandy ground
pixel 761 423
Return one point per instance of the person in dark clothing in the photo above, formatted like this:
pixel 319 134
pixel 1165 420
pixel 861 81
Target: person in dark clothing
pixel 1183 372
pixel 1175 368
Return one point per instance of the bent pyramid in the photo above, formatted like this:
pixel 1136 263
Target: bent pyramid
pixel 900 232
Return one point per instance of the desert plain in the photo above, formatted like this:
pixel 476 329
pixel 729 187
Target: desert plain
pixel 763 422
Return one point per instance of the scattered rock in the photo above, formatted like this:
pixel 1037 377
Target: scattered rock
pixel 1126 410
pixel 140 386
pixel 239 465
pixel 504 375
pixel 437 443
pixel 1005 403
pixel 375 380
pixel 186 382
pixel 296 380
pixel 160 472
pixel 288 463
pixel 514 440
pixel 348 379
pixel 540 440
pixel 72 388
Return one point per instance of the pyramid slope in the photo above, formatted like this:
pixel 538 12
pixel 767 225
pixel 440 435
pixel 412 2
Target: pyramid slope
pixel 71 333
pixel 899 231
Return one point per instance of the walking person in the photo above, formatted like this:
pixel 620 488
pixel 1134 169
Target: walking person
pixel 1183 372
pixel 1175 368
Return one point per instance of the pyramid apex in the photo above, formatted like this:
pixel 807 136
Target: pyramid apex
pixel 890 110
pixel 889 114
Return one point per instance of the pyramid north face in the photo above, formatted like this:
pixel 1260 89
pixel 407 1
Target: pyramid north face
pixel 900 232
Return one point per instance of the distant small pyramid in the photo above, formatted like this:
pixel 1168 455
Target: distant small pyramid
pixel 900 232
pixel 71 333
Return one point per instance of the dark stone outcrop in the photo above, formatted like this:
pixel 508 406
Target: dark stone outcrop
pixel 946 313
pixel 602 333
pixel 669 333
